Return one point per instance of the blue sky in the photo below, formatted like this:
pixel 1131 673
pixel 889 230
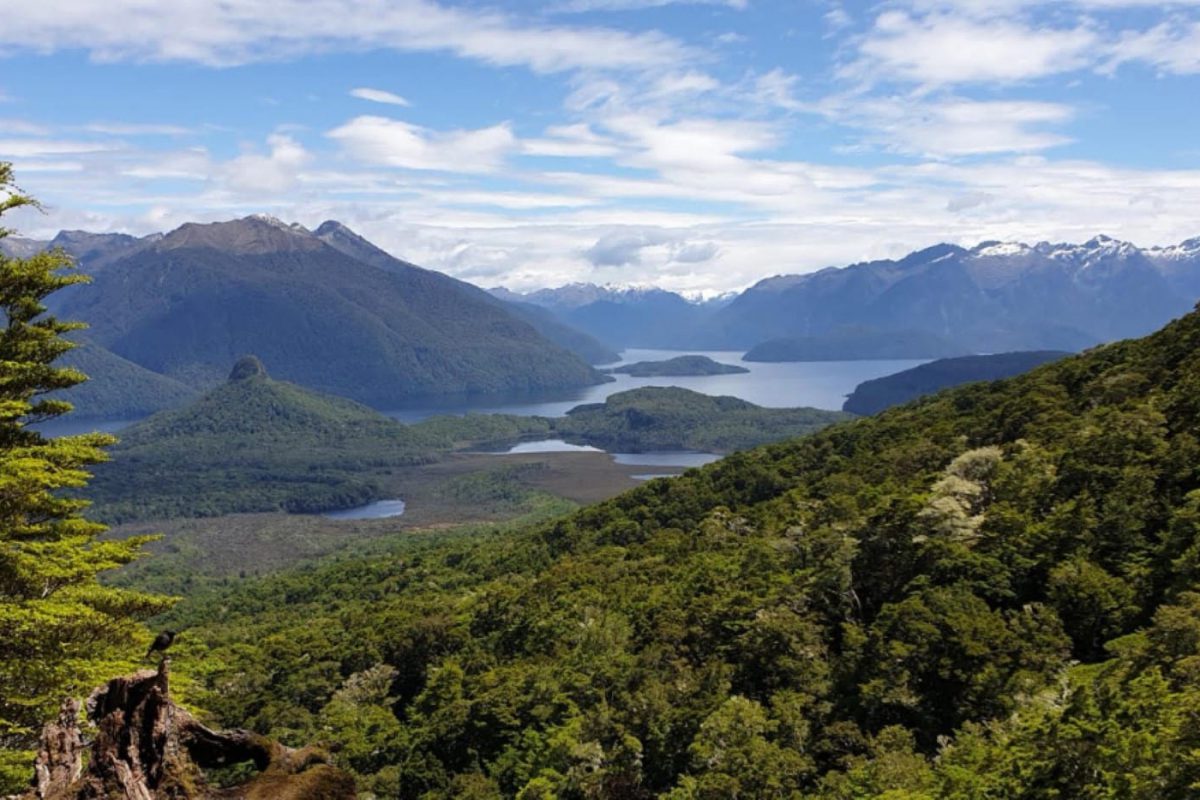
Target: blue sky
pixel 698 146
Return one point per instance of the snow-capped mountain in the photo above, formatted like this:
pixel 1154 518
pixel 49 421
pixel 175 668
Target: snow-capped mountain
pixel 992 297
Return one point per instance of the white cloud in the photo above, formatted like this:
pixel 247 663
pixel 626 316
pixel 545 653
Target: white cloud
pixel 1167 47
pixel 944 49
pixel 242 31
pixel 953 126
pixel 393 143
pixel 32 148
pixel 278 171
pixel 378 96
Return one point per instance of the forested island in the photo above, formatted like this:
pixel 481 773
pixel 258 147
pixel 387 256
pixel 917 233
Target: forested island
pixel 679 366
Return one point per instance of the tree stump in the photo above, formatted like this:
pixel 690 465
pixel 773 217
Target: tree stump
pixel 148 748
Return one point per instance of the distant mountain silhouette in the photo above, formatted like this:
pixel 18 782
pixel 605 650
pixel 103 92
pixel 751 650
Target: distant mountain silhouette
pixel 622 317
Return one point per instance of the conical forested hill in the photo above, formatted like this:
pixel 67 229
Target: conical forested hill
pixel 252 444
pixel 989 593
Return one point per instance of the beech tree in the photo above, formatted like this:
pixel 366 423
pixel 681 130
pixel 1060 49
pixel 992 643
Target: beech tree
pixel 61 631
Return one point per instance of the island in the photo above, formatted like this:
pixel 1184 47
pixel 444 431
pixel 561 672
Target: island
pixel 678 367
pixel 656 418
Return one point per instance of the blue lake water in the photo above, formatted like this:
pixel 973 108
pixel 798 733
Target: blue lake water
pixel 819 384
pixel 673 458
pixel 380 509
pixel 547 446
pixel 663 458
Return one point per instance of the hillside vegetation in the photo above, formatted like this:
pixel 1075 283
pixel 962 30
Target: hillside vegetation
pixel 117 388
pixel 989 593
pixel 256 444
pixel 873 396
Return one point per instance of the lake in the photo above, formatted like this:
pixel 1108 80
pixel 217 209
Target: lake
pixel 380 509
pixel 819 384
pixel 663 458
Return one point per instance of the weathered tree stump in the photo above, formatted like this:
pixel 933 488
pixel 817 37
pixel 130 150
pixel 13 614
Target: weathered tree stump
pixel 148 748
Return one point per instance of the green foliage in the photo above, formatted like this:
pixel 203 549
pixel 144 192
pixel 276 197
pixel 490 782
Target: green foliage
pixel 254 444
pixel 60 631
pixel 984 594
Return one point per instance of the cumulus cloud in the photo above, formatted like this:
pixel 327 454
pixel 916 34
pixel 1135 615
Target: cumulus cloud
pixel 272 173
pixel 394 143
pixel 622 248
pixel 378 96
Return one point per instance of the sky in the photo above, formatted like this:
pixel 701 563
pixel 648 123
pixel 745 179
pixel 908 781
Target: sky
pixel 696 145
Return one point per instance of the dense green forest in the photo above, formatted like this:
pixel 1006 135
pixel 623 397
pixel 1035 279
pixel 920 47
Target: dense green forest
pixel 988 593
pixel 117 388
pixel 873 396
pixel 256 444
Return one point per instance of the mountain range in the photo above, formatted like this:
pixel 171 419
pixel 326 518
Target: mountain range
pixel 989 298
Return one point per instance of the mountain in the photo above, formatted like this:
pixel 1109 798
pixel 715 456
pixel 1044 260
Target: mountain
pixel 621 318
pixel 854 344
pixel 670 418
pixel 190 302
pixel 338 236
pixel 679 366
pixel 873 396
pixel 117 388
pixel 993 297
pixel 988 593
pixel 21 247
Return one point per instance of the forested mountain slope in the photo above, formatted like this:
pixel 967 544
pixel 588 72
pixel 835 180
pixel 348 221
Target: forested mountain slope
pixel 189 303
pixel 117 388
pixel 873 396
pixel 987 593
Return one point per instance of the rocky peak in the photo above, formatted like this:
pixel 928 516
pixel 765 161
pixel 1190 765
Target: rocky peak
pixel 247 367
pixel 254 235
